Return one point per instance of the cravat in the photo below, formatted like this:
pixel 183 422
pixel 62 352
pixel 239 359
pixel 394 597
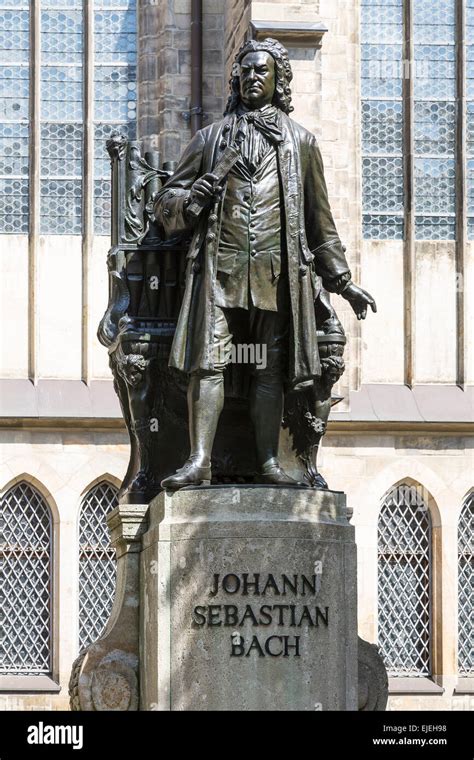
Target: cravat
pixel 256 132
pixel 266 121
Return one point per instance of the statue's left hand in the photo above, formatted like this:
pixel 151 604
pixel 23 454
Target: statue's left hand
pixel 359 299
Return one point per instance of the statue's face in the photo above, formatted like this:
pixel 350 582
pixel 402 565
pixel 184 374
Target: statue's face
pixel 134 376
pixel 257 79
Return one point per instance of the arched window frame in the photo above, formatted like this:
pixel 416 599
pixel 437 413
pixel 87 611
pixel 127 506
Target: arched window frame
pixel 411 492
pixel 36 676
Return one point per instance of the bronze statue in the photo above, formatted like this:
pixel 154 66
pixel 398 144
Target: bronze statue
pixel 251 192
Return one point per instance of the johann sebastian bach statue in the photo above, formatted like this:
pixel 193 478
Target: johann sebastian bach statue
pixel 251 191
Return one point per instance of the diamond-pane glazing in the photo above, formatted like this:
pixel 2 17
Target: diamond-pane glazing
pixel 466 588
pixel 96 563
pixel 404 582
pixel 382 119
pixel 26 592
pixel 14 118
pixel 435 119
pixel 115 84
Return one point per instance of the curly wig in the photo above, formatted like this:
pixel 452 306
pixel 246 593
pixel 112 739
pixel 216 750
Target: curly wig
pixel 283 74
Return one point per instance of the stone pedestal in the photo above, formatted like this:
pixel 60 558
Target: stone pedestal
pixel 248 601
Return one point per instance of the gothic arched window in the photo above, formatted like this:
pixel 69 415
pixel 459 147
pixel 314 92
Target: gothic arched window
pixel 466 588
pixel 26 598
pixel 404 582
pixel 96 562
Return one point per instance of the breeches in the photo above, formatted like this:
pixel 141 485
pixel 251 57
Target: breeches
pixel 254 337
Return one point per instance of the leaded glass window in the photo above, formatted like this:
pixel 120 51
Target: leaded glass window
pixel 14 116
pixel 26 594
pixel 64 123
pixel 466 588
pixel 432 129
pixel 115 75
pixel 96 563
pixel 382 119
pixel 470 115
pixel 404 582
pixel 62 53
pixel 435 119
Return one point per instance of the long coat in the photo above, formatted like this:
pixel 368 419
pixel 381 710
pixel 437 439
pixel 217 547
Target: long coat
pixel 314 250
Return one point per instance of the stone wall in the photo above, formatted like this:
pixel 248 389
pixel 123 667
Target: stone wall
pixel 237 20
pixel 165 67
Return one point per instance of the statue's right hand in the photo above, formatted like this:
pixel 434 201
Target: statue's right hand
pixel 204 190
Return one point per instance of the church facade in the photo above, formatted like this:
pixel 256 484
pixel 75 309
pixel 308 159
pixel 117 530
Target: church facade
pixel 389 95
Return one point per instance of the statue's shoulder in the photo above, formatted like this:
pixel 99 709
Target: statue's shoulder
pixel 301 134
pixel 211 131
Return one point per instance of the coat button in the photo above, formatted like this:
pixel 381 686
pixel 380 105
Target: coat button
pixel 213 218
pixel 223 145
pixel 226 129
pixel 196 267
pixel 210 237
pixel 303 271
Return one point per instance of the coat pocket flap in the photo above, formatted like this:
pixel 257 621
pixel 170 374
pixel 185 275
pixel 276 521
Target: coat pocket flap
pixel 226 261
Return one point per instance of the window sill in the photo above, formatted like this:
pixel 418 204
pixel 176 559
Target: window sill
pixel 413 686
pixel 465 685
pixel 29 684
